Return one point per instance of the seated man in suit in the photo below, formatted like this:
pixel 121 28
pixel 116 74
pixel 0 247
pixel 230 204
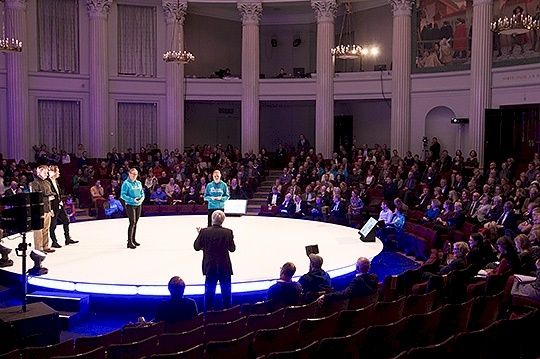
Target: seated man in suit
pixel 177 308
pixel 286 208
pixel 274 198
pixel 299 207
pixel 338 211
pixel 285 292
pixel 363 285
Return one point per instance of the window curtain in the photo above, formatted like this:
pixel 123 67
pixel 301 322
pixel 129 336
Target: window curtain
pixel 59 124
pixel 58 34
pixel 136 41
pixel 137 125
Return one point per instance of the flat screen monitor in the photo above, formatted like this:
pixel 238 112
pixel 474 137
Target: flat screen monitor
pixel 367 233
pixel 236 206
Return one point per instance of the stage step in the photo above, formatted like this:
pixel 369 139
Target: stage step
pixel 68 319
pixel 63 302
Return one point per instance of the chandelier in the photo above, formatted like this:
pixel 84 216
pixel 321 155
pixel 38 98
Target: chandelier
pixel 516 25
pixel 178 56
pixel 346 50
pixel 9 44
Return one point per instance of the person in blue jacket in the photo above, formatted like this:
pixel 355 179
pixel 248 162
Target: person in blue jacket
pixel 133 194
pixel 216 193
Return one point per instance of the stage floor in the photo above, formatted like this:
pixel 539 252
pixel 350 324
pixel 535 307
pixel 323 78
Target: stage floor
pixel 101 263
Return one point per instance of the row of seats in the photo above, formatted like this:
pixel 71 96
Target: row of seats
pixel 388 329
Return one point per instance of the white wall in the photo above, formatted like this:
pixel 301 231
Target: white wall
pixel 205 124
pixel 371 120
pixel 283 121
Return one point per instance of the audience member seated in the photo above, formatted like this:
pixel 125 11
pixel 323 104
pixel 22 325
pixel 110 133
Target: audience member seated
pixel 364 284
pixel 299 207
pixel 385 216
pixel 508 258
pixel 191 196
pixel 158 196
pixel 528 286
pixel 432 212
pixel 317 210
pixel 177 308
pixel 235 191
pixel 480 252
pixel 338 210
pixel 113 208
pixel 316 280
pixel 286 208
pixel 69 207
pixel 97 192
pixel 285 292
pixel 395 227
pixel 274 198
pixel 526 259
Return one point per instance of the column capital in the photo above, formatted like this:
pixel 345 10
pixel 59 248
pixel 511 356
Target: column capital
pixel 174 11
pixel 325 10
pixel 401 7
pixel 482 2
pixel 15 4
pixel 250 12
pixel 98 8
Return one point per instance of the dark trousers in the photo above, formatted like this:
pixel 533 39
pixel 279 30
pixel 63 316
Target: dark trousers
pixel 60 216
pixel 133 213
pixel 210 290
pixel 210 211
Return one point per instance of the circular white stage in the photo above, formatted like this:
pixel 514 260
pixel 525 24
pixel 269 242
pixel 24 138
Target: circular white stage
pixel 101 263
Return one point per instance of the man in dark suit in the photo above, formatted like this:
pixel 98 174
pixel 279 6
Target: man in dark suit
pixel 338 211
pixel 216 242
pixel 177 308
pixel 57 207
pixel 12 189
pixel 274 198
pixel 286 208
pixel 507 222
pixel 364 284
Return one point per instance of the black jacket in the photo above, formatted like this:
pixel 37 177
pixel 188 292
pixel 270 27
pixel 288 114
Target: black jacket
pixel 216 242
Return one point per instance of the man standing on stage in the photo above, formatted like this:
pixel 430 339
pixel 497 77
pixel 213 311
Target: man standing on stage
pixel 133 194
pixel 216 194
pixel 216 242
pixel 57 206
pixel 40 184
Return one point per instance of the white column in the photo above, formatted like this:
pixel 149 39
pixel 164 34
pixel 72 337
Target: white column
pixel 18 134
pixel 400 123
pixel 251 15
pixel 98 11
pixel 481 54
pixel 325 11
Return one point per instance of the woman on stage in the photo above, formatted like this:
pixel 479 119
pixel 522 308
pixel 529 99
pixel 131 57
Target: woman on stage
pixel 133 194
pixel 216 194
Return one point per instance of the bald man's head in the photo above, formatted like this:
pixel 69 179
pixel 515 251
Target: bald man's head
pixel 362 265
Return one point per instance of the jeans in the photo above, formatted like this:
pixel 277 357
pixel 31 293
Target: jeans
pixel 210 290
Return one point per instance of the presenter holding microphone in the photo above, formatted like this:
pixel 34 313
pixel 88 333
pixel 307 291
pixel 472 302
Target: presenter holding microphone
pixel 216 193
pixel 132 193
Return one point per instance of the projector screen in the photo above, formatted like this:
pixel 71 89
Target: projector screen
pixel 236 206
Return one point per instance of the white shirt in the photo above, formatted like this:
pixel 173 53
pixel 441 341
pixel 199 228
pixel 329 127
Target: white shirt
pixel 386 216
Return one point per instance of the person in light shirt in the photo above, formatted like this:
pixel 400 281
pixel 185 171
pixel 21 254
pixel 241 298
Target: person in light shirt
pixel 385 216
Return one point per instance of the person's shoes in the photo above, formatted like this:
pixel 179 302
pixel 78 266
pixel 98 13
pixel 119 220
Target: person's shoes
pixel 70 241
pixel 130 245
pixel 136 243
pixel 6 263
pixel 56 245
pixel 49 250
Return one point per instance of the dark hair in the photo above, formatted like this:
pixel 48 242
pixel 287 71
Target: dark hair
pixel 176 287
pixel 510 252
pixel 288 269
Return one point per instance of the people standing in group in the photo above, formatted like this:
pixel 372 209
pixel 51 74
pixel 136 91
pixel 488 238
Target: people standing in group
pixel 57 206
pixel 216 242
pixel 216 193
pixel 133 195
pixel 40 184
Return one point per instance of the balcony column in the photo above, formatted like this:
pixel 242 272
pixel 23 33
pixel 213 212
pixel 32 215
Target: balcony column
pixel 98 11
pixel 251 14
pixel 481 54
pixel 18 126
pixel 325 11
pixel 175 15
pixel 400 123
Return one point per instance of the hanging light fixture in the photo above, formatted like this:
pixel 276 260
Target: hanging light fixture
pixel 8 44
pixel 346 50
pixel 176 55
pixel 519 23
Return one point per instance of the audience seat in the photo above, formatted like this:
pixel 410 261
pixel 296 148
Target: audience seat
pixel 350 321
pixel 225 331
pixel 334 305
pixel 454 319
pixel 422 328
pixel 386 340
pixel 176 342
pixel 186 325
pixel 474 344
pixel 86 344
pixel 236 348
pixel 255 308
pixel 306 352
pixel 436 351
pixel 419 304
pixel 388 312
pixel 98 353
pixel 296 313
pixel 268 340
pixel 131 334
pixel 266 321
pixel 311 330
pixel 485 310
pixel 364 301
pixel 223 316
pixel 64 348
pixel 346 347
pixel 14 354
pixel 138 349
pixel 196 352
